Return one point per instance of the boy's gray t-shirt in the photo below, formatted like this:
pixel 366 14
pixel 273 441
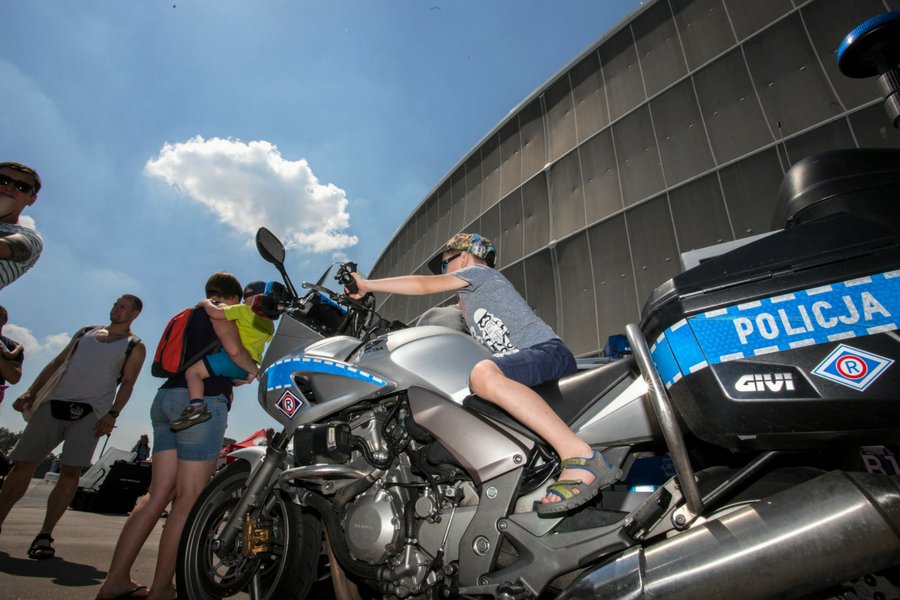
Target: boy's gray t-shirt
pixel 496 314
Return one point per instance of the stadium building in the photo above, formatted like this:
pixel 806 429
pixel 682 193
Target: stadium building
pixel 670 134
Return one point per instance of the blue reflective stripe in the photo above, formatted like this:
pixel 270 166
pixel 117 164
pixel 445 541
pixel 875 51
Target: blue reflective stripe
pixel 690 357
pixel 665 361
pixel 328 300
pixel 843 310
pixel 278 375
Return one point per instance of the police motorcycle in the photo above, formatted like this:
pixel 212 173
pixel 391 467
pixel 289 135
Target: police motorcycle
pixel 755 378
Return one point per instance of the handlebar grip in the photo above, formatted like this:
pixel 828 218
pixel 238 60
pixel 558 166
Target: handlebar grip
pixel 345 278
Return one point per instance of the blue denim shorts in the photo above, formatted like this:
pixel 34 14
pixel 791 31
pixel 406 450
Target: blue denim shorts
pixel 197 443
pixel 542 362
pixel 221 364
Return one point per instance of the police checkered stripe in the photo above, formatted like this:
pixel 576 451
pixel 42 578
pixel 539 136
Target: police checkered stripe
pixel 713 337
pixel 690 357
pixel 662 356
pixel 279 374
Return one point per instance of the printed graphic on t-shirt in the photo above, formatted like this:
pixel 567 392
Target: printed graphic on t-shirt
pixel 490 331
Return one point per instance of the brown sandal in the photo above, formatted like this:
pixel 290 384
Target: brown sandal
pixel 42 548
pixel 573 493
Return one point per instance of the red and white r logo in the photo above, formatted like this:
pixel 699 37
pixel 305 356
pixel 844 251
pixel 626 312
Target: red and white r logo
pixel 289 404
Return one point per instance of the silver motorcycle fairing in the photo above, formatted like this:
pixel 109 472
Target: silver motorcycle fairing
pixel 623 417
pixel 290 337
pixel 482 447
pixel 435 358
pixel 333 384
pixel 431 357
pixel 338 347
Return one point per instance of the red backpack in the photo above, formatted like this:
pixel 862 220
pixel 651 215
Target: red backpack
pixel 170 358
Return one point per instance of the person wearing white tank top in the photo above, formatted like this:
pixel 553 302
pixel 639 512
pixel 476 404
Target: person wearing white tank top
pixel 101 366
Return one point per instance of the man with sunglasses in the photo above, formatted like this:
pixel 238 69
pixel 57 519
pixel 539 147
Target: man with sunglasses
pixel 20 247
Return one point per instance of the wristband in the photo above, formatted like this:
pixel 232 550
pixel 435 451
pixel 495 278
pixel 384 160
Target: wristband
pixel 113 413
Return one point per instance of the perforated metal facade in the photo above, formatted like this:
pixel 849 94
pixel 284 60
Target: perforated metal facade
pixel 672 133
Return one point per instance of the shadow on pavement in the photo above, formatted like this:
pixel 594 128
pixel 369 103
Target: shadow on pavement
pixel 59 570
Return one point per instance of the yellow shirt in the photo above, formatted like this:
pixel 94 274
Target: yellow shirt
pixel 255 331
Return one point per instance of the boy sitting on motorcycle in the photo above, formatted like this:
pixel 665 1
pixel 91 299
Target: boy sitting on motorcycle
pixel 526 352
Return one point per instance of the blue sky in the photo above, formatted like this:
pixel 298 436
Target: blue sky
pixel 167 132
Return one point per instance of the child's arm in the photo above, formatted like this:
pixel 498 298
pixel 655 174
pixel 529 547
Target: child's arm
pixel 410 285
pixel 214 312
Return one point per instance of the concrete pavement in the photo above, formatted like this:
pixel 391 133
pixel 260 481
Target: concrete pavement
pixel 84 546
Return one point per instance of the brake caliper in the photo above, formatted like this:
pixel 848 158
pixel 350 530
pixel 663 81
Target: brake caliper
pixel 257 536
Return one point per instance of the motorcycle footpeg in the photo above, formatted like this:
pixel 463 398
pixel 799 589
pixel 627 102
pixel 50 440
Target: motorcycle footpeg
pixel 508 591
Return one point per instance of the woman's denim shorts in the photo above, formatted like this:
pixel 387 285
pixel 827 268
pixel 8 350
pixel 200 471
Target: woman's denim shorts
pixel 542 362
pixel 197 443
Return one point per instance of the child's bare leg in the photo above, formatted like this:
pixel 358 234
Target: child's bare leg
pixel 195 412
pixel 527 407
pixel 195 374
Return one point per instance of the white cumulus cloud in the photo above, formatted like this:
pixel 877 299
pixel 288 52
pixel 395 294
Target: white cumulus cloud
pixel 49 347
pixel 250 185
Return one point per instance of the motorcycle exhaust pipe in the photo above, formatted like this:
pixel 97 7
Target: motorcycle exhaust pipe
pixel 823 532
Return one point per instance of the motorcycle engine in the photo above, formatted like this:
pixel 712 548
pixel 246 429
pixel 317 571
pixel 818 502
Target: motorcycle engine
pixel 373 526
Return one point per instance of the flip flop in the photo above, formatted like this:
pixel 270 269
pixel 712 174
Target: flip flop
pixel 129 594
pixel 573 493
pixel 42 547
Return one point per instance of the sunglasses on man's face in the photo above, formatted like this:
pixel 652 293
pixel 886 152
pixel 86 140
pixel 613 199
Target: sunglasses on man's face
pixel 447 261
pixel 22 186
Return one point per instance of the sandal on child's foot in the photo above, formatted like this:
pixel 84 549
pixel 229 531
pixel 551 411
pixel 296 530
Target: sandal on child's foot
pixel 42 547
pixel 193 414
pixel 573 493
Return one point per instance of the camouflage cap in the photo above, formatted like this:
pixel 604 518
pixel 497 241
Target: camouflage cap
pixel 473 243
pixel 23 169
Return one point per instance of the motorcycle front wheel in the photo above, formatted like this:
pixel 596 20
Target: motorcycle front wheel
pixel 286 570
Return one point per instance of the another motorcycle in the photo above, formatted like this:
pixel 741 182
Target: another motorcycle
pixel 755 379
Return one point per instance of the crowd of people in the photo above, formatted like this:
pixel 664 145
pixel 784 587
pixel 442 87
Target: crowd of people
pixel 77 397
pixel 79 394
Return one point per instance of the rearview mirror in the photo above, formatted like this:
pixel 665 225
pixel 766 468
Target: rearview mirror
pixel 272 251
pixel 269 247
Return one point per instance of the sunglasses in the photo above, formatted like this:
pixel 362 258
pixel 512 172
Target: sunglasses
pixel 447 261
pixel 22 186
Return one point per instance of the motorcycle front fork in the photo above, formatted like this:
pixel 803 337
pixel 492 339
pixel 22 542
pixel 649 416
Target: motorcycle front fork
pixel 258 488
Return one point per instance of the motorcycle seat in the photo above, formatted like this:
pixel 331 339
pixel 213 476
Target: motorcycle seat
pixel 569 396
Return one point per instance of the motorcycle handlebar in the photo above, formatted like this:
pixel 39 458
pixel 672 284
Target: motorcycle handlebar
pixel 361 319
pixel 345 277
pixel 341 298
